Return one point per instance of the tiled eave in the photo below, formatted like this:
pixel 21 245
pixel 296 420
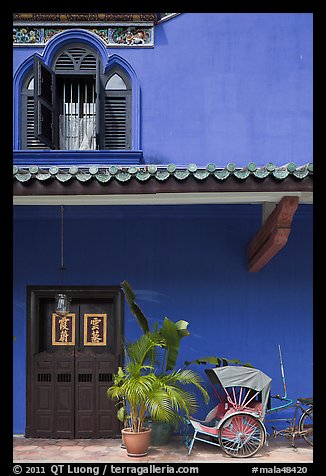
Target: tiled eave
pixel 144 173
pixel 153 184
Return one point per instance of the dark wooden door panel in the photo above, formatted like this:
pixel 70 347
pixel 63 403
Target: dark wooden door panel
pixel 68 390
pixel 85 409
pixel 44 395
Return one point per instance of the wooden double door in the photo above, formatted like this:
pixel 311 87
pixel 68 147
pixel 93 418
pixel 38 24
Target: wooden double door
pixel 71 363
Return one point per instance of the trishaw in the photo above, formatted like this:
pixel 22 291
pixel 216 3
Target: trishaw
pixel 236 423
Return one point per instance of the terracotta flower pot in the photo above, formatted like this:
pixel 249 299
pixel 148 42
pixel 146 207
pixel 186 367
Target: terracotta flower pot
pixel 137 444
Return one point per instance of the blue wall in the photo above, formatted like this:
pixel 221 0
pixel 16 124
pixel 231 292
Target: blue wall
pixel 224 88
pixel 184 262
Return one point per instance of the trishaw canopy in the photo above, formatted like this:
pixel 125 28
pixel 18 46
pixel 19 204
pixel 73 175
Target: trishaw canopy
pixel 240 376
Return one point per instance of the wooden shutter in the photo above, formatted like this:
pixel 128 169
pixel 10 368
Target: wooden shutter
pixel 44 103
pixel 29 141
pixel 117 120
pixel 98 106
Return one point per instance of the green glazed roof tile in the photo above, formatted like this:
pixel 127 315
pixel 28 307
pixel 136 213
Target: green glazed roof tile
pixel 252 166
pixel 123 176
pixel 221 174
pixel 152 169
pixel 192 168
pixel 242 174
pixel 261 173
pixel 302 172
pixel 181 174
pixel 103 177
pixel 93 169
pixel 231 167
pixel 33 169
pixel 201 174
pixel 270 166
pixel 291 167
pixel 43 176
pixel 83 177
pixel 63 177
pixel 73 169
pixel 54 170
pixel 132 170
pixel 142 175
pixel 280 173
pixel 211 167
pixel 23 177
pixel 171 168
pixel 113 169
pixel 162 175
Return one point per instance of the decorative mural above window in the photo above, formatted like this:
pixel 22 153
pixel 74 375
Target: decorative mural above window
pixel 114 29
pixel 121 36
pixel 131 36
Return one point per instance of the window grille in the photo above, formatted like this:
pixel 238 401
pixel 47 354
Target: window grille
pixel 84 378
pixel 77 121
pixel 104 377
pixel 44 377
pixel 64 378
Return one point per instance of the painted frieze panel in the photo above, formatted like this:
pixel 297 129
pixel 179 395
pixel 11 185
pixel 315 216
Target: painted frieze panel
pixel 26 35
pixel 121 36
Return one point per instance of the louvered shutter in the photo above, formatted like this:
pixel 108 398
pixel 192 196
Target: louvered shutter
pixel 44 103
pixel 31 142
pixel 76 59
pixel 117 120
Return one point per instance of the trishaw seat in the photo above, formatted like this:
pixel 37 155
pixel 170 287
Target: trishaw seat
pixel 307 401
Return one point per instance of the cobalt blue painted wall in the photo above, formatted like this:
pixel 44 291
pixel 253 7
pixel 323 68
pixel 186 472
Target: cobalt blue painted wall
pixel 184 262
pixel 224 88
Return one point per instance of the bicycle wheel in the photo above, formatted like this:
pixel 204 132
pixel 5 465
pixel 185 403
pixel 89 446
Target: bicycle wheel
pixel 241 435
pixel 306 426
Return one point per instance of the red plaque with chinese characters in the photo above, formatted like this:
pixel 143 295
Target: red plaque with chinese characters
pixel 95 329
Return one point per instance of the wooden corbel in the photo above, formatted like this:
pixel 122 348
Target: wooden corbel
pixel 273 234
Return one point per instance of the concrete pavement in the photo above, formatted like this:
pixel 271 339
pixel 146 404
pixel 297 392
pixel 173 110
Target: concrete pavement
pixel 109 451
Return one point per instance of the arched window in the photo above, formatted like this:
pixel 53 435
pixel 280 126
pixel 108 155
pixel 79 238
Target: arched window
pixel 74 106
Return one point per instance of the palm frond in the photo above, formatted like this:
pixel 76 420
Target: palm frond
pixel 186 377
pixel 142 350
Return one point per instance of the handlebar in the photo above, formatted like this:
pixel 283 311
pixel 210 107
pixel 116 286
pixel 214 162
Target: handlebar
pixel 279 397
pixel 287 403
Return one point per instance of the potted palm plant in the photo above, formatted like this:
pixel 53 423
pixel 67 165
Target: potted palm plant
pixel 159 350
pixel 163 359
pixel 162 397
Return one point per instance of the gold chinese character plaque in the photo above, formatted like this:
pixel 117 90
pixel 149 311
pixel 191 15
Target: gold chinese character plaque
pixel 95 329
pixel 63 329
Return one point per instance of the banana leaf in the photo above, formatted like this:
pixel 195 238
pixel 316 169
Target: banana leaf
pixel 134 308
pixel 171 337
pixel 217 361
pixel 172 332
pixel 182 328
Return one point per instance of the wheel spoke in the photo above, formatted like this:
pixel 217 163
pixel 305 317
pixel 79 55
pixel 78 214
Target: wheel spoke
pixel 306 426
pixel 241 435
